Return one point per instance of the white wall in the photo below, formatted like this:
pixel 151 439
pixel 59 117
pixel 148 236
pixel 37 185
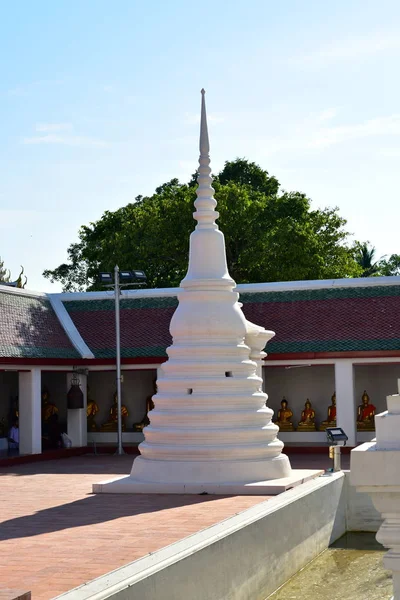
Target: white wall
pixel 137 385
pixel 361 514
pixel 297 384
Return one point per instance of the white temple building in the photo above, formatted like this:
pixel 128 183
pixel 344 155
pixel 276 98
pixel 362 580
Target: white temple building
pixel 331 336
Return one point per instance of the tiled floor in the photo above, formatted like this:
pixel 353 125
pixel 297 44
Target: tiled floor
pixel 55 535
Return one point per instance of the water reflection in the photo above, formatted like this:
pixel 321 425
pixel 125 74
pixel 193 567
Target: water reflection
pixel 351 569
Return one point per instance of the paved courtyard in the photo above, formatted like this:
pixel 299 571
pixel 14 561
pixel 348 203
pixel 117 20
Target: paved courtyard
pixel 56 535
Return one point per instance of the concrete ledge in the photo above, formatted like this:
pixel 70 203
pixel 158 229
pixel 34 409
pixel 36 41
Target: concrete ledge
pixel 361 514
pixel 128 485
pixel 246 556
pixel 373 467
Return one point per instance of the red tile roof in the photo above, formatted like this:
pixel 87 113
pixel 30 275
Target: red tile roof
pixel 307 322
pixel 29 328
pixel 351 319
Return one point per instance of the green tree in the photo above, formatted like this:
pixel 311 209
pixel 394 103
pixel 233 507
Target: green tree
pixel 391 266
pixel 366 259
pixel 270 236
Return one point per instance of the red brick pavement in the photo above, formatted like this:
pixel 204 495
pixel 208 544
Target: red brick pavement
pixel 56 535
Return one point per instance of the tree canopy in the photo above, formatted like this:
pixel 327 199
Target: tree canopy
pixel 366 258
pixel 271 235
pixel 373 267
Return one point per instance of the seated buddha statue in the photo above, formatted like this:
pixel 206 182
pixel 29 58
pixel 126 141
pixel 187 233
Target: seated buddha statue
pixel 307 422
pixel 331 420
pixel 91 411
pixel 145 421
pixel 48 408
pixel 284 416
pixel 112 422
pixel 365 414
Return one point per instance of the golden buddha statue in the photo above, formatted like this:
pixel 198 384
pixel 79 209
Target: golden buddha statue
pixel 48 408
pixel 331 420
pixel 307 422
pixel 91 411
pixel 284 416
pixel 365 414
pixel 112 422
pixel 149 406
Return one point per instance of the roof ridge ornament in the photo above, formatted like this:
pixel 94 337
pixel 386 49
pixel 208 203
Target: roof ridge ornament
pixel 205 214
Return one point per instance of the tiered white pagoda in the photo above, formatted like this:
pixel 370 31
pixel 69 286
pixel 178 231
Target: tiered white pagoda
pixel 375 470
pixel 211 430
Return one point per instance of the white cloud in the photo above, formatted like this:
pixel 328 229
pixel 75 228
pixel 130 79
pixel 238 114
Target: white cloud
pixel 390 152
pixel 327 114
pixel 27 88
pixel 45 127
pixel 62 134
pixel 379 126
pixel 66 140
pixel 349 49
pixel 317 136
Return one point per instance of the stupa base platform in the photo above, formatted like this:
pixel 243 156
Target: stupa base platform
pixel 271 487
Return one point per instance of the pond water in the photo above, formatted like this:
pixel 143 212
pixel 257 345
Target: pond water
pixel 351 569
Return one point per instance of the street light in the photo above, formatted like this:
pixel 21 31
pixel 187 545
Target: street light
pixel 120 279
pixel 337 438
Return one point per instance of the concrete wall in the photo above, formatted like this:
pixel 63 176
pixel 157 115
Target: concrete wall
pixel 8 390
pixel 137 385
pixel 361 514
pixel 247 556
pixel 297 384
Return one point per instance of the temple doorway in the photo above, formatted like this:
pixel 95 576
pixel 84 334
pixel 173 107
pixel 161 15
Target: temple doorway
pixel 8 406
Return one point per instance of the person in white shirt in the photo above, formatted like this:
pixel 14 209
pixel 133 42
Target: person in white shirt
pixel 13 436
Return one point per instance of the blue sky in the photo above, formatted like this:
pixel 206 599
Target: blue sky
pixel 99 102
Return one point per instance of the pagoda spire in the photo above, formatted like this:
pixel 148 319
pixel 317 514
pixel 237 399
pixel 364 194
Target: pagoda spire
pixel 207 256
pixel 205 204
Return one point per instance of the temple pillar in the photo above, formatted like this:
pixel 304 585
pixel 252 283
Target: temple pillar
pixel 30 411
pixel 345 399
pixel 77 418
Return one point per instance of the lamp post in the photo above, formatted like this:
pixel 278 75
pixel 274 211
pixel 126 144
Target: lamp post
pixel 121 279
pixel 337 438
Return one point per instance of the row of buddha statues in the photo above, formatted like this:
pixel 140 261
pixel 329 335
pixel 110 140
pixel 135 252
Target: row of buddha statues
pixel 49 409
pixel 111 424
pixel 365 416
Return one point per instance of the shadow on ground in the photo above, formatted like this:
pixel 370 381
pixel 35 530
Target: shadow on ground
pixel 92 510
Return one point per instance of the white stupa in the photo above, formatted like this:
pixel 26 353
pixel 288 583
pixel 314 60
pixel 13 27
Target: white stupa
pixel 211 430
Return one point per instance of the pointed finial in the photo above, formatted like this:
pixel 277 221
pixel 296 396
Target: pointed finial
pixel 205 203
pixel 204 141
